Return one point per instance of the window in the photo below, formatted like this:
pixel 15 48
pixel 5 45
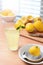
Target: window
pixel 24 7
pixel 30 7
pixel 41 10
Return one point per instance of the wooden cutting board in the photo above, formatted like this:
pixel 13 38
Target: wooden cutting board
pixel 24 33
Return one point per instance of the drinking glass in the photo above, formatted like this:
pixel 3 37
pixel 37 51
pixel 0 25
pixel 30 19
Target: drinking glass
pixel 12 36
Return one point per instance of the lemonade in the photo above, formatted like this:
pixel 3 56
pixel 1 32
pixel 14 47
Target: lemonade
pixel 12 36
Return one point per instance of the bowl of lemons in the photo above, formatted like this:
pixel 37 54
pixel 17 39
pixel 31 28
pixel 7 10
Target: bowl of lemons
pixel 7 15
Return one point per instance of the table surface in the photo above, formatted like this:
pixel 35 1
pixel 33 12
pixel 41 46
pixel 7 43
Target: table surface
pixel 8 57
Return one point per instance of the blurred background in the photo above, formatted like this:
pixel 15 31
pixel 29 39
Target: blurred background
pixel 23 7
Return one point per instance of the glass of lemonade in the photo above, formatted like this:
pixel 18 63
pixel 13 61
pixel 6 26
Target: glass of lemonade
pixel 12 36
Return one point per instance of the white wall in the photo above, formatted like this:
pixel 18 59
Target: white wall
pixel 11 4
pixel 0 4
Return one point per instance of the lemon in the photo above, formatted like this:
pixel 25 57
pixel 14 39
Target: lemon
pixel 34 50
pixel 4 13
pixel 7 12
pixel 19 23
pixel 11 14
pixel 24 19
pixel 38 25
pixel 37 19
pixel 30 18
pixel 29 27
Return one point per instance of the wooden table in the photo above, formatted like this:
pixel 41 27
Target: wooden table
pixel 8 57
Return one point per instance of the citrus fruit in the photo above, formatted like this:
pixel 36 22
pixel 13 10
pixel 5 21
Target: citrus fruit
pixel 29 27
pixel 34 50
pixel 19 23
pixel 37 19
pixel 30 18
pixel 4 13
pixel 11 14
pixel 24 19
pixel 7 12
pixel 38 25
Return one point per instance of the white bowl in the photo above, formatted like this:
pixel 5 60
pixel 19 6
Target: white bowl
pixel 8 18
